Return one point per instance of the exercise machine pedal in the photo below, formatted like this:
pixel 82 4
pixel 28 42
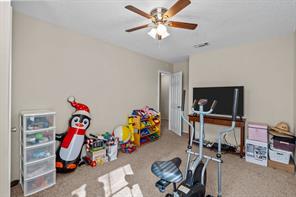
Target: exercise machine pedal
pixel 162 184
pixel 224 147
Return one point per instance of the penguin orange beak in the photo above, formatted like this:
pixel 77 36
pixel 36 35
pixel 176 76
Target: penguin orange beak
pixel 79 124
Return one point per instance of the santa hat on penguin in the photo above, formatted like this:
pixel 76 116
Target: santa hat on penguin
pixel 81 109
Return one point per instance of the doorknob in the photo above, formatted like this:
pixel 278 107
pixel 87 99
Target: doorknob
pixel 178 107
pixel 13 129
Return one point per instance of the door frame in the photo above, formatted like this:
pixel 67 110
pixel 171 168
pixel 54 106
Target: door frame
pixel 158 93
pixel 6 12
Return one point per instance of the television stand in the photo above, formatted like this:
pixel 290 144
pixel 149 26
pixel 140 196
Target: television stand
pixel 223 121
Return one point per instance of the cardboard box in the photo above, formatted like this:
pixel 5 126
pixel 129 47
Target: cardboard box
pixel 95 155
pixel 279 155
pixel 290 168
pixel 256 152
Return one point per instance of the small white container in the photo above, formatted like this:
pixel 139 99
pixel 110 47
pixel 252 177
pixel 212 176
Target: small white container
pixel 279 155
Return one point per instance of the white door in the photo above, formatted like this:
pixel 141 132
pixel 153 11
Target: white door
pixel 5 71
pixel 176 101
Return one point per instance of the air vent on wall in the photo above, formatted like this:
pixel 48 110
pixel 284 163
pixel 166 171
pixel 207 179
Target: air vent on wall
pixel 201 45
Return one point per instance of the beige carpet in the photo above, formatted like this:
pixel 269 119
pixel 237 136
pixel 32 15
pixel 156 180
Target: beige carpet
pixel 239 177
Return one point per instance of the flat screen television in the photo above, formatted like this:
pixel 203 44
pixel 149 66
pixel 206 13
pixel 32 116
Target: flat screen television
pixel 224 96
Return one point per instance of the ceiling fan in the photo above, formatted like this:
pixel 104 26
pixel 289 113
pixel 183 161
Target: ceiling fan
pixel 160 19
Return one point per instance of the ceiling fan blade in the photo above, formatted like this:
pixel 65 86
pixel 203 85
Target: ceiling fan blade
pixel 177 7
pixel 137 28
pixel 140 12
pixel 183 25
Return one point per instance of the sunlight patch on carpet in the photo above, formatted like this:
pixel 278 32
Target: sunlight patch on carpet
pixel 80 192
pixel 115 184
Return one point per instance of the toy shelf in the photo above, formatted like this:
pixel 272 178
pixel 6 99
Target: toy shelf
pixel 149 138
pixel 148 134
pixel 148 129
pixel 37 151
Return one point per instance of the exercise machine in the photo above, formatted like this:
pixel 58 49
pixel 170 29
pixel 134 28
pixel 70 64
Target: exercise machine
pixel 193 184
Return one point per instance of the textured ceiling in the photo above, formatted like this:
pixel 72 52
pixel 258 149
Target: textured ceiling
pixel 221 22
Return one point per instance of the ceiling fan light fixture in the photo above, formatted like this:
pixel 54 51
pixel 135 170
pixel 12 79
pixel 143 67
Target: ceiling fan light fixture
pixel 159 18
pixel 159 34
pixel 161 29
pixel 153 33
pixel 164 35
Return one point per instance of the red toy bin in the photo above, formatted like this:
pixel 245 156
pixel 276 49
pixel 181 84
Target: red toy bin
pixel 258 132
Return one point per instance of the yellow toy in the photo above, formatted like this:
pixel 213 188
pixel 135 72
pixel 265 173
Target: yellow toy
pixel 124 133
pixel 134 121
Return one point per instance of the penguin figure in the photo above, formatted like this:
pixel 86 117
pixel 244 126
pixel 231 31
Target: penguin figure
pixel 68 155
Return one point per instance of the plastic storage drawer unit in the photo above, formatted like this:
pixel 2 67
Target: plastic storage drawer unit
pixel 37 149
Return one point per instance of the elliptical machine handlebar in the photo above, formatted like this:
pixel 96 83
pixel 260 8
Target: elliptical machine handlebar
pixel 214 105
pixel 201 103
pixel 235 103
pixel 194 105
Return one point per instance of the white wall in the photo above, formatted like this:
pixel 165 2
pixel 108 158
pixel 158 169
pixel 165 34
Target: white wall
pixel 5 37
pixel 265 68
pixel 295 81
pixel 184 68
pixel 164 96
pixel 51 63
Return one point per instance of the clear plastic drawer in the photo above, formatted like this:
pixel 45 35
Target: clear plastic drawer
pixel 42 137
pixel 39 183
pixel 40 167
pixel 39 122
pixel 38 153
